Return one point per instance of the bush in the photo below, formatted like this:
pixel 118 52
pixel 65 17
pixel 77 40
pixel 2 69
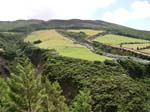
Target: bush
pixel 37 42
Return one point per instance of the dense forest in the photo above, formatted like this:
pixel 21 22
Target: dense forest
pixel 33 79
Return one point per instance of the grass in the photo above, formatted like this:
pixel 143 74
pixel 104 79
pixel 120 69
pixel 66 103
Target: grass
pixel 135 46
pixel 81 53
pixel 89 32
pixel 51 40
pixel 1 50
pixel 116 39
pixel 146 50
pixel 66 47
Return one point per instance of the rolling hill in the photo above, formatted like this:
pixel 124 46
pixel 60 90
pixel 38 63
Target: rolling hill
pixel 79 72
pixel 32 25
pixel 80 29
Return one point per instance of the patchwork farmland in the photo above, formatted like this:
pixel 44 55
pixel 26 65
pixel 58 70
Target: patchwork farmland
pixel 124 42
pixel 51 39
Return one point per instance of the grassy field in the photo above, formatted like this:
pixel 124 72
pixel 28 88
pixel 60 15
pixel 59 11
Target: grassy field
pixel 135 46
pixel 116 39
pixel 81 53
pixel 53 40
pixel 146 50
pixel 1 50
pixel 89 32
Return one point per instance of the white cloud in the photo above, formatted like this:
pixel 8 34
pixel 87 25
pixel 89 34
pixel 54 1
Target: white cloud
pixel 46 9
pixel 118 16
pixel 78 8
pixel 140 10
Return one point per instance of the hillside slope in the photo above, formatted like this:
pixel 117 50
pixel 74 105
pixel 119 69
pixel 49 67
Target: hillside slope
pixel 51 39
pixel 32 25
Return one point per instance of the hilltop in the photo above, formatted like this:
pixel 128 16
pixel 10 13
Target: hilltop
pixel 31 25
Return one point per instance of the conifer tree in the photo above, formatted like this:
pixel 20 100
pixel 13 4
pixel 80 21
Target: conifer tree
pixel 26 91
pixel 4 97
pixel 54 102
pixel 82 101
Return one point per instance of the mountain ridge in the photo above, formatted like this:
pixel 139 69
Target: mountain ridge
pixel 33 24
pixel 69 21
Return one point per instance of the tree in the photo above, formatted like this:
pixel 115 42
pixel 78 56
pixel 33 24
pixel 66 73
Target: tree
pixel 26 91
pixel 82 101
pixel 30 92
pixel 119 93
pixel 54 102
pixel 4 97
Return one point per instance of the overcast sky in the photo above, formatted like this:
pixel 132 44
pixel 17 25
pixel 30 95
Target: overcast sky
pixel 132 13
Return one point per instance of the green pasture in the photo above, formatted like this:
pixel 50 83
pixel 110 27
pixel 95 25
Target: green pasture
pixel 116 39
pixel 51 39
pixel 135 46
pixel 81 53
pixel 146 50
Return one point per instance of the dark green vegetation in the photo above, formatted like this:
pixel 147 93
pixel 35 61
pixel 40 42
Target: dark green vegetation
pixel 39 80
pixel 8 44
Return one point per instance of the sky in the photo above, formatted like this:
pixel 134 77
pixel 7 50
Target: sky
pixel 131 13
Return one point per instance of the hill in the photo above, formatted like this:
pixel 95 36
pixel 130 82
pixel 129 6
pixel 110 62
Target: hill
pixel 32 25
pixel 81 31
pixel 33 77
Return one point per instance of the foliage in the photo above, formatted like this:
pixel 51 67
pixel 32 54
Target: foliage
pixel 109 86
pixel 31 92
pixel 81 102
pixel 119 94
pixel 136 69
pixel 4 96
pixel 54 102
pixel 37 42
pixel 76 36
pixel 111 89
pixel 26 91
pixel 9 44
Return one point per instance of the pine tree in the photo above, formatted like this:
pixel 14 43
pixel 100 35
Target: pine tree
pixel 82 101
pixel 54 102
pixel 26 91
pixel 4 97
